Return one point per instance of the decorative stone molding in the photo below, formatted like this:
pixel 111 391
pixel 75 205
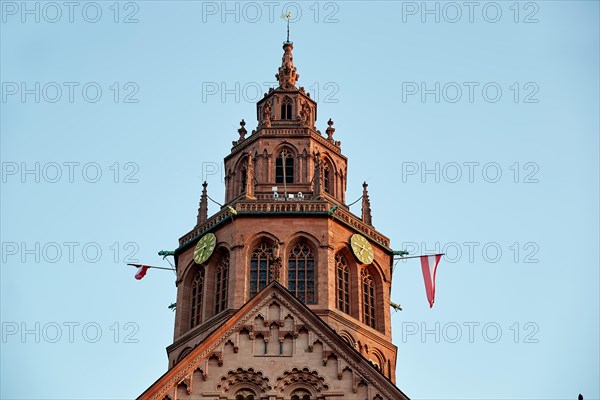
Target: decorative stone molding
pixel 242 375
pixel 304 375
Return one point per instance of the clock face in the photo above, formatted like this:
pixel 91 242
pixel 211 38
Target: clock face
pixel 362 248
pixel 204 248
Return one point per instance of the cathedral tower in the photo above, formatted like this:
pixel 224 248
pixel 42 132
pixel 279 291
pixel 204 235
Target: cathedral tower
pixel 283 293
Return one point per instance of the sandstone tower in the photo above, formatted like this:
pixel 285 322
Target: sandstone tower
pixel 283 294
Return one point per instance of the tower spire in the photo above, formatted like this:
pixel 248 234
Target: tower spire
pixel 287 75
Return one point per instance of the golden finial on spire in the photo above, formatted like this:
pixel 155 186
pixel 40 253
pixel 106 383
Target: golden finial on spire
pixel 287 16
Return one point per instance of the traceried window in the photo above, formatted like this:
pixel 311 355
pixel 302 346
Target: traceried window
pixel 342 283
pixel 289 168
pixel 197 298
pixel 368 298
pixel 286 108
pixel 221 279
pixel 301 273
pixel 260 261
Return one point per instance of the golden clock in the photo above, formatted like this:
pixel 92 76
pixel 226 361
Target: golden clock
pixel 204 248
pixel 362 248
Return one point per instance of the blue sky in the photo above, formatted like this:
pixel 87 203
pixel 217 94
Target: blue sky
pixel 476 127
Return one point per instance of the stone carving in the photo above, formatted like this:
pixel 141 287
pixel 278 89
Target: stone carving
pixel 286 74
pixel 267 114
pixel 242 131
pixel 275 265
pixel 330 130
pixel 249 176
pixel 303 375
pixel 305 114
pixel 242 375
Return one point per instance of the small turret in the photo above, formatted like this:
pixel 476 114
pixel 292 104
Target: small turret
pixel 366 206
pixel 203 209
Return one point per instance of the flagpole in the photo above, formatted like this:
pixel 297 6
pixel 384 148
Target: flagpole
pixel 166 269
pixel 427 255
pixel 150 266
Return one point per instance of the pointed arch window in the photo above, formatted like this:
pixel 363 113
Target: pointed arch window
pixel 342 283
pixel 243 180
pixel 368 284
pixel 221 278
pixel 289 167
pixel 301 273
pixel 326 180
pixel 197 299
pixel 286 108
pixel 260 262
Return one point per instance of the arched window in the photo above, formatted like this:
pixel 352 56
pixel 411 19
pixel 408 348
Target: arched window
pixel 197 298
pixel 245 394
pixel 326 180
pixel 221 278
pixel 300 394
pixel 243 180
pixel 342 283
pixel 289 167
pixel 286 108
pixel 260 262
pixel 368 298
pixel 301 273
pixel 378 361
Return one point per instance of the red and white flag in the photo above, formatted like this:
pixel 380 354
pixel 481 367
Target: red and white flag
pixel 429 266
pixel 141 271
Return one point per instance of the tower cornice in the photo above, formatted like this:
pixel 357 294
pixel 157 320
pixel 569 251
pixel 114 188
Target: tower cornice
pixel 271 208
pixel 281 133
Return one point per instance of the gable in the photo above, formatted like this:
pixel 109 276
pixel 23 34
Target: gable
pixel 273 346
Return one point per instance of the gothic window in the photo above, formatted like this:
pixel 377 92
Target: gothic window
pixel 342 283
pixel 300 394
pixel 245 394
pixel 286 108
pixel 301 273
pixel 326 180
pixel 243 180
pixel 289 168
pixel 197 298
pixel 260 262
pixel 221 277
pixel 368 298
